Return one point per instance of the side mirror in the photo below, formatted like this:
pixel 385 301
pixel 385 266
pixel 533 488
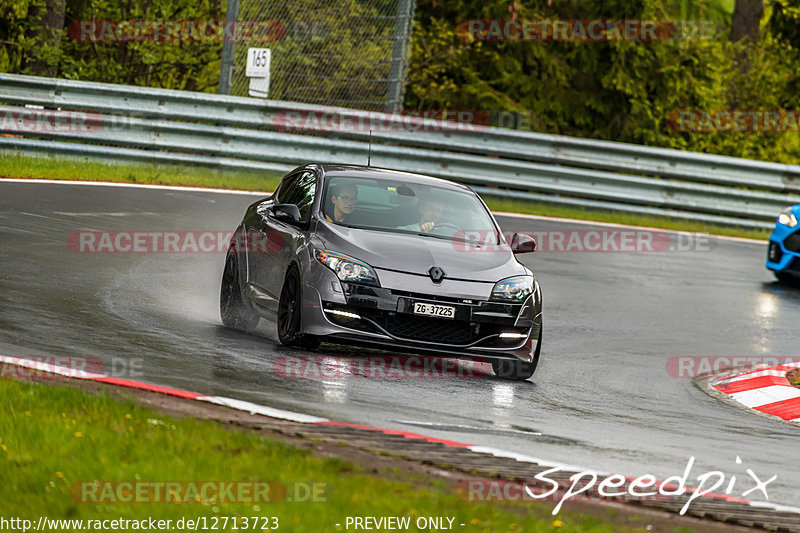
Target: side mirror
pixel 288 213
pixel 522 243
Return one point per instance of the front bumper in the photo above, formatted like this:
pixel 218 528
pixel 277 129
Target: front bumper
pixel 783 250
pixel 384 317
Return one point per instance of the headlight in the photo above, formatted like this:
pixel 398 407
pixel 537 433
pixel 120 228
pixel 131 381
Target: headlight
pixel 787 218
pixel 514 289
pixel 347 268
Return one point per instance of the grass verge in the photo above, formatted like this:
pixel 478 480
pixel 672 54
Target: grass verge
pixel 57 168
pixel 53 438
pixel 794 377
pixel 532 208
pixel 22 166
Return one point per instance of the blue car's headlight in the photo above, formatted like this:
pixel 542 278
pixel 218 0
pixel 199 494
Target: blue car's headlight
pixel 348 268
pixel 513 289
pixel 787 218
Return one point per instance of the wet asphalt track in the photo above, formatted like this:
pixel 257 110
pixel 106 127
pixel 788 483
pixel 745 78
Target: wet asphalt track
pixel 601 398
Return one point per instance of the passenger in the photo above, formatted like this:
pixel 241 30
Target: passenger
pixel 344 198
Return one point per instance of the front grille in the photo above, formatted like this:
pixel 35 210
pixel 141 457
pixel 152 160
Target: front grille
pixel 429 329
pixel 792 242
pixel 418 296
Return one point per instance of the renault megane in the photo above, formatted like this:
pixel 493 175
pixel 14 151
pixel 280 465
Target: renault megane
pixel 360 255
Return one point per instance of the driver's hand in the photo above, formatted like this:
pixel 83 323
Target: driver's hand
pixel 427 226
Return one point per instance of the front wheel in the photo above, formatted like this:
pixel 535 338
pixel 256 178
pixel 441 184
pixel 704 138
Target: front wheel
pixel 515 369
pixel 289 319
pixel 785 278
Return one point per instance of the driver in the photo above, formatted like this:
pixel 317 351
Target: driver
pixel 344 198
pixel 430 211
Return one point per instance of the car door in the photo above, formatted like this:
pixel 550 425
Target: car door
pixel 274 243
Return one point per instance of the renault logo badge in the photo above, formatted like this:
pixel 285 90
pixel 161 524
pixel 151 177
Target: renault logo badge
pixel 436 274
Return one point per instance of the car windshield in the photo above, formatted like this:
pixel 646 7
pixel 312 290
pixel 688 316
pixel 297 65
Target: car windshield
pixel 403 207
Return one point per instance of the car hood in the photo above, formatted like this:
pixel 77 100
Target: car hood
pixel 416 254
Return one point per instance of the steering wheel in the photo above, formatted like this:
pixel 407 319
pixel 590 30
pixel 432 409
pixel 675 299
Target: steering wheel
pixel 455 228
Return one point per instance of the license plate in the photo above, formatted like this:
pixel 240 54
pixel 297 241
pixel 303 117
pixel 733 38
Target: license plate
pixel 438 311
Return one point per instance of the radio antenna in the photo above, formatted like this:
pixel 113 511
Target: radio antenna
pixel 369 150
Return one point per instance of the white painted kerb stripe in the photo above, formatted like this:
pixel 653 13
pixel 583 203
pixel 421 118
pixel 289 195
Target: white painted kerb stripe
pixel 254 408
pixel 766 395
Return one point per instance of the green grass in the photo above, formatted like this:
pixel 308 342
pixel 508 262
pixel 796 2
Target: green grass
pixel 22 166
pixel 533 208
pixel 54 437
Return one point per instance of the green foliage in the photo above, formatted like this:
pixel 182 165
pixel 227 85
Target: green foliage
pixel 616 90
pixel 178 64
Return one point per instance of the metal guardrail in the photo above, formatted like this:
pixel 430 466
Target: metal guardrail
pixel 156 125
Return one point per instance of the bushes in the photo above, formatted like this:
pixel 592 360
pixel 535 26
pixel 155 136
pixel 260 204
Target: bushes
pixel 622 91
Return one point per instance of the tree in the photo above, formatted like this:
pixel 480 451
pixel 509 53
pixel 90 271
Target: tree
pixel 746 20
pixel 44 34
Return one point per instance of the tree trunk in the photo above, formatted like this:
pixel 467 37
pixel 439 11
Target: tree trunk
pixel 746 19
pixel 46 23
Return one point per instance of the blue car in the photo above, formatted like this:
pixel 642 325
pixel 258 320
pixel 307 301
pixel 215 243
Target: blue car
pixel 783 253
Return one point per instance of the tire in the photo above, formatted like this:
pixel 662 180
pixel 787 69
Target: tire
pixel 289 314
pixel 785 278
pixel 233 309
pixel 515 369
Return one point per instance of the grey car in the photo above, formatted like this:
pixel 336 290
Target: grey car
pixel 361 255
